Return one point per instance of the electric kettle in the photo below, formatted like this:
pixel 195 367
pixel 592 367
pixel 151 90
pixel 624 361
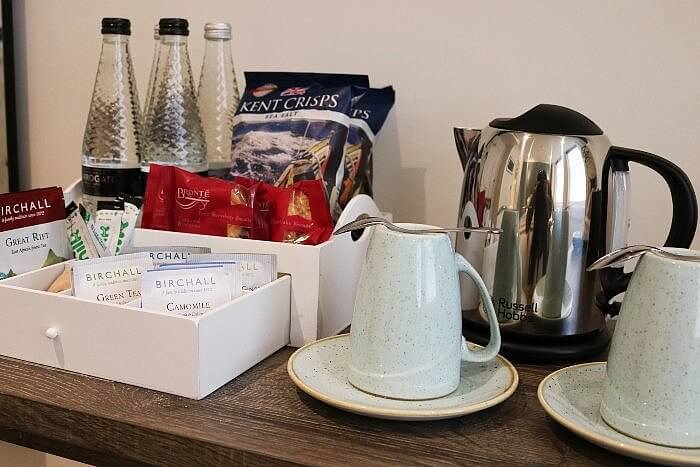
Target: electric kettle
pixel 558 190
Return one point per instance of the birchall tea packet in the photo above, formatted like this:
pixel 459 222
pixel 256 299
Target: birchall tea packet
pixel 168 254
pixel 293 126
pixel 32 228
pixel 255 269
pixel 190 291
pixel 113 279
pixel 232 270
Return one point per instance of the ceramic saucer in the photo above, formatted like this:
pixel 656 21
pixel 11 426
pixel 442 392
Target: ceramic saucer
pixel 572 396
pixel 320 370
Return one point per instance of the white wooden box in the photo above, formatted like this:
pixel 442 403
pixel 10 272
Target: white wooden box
pixel 190 357
pixel 324 277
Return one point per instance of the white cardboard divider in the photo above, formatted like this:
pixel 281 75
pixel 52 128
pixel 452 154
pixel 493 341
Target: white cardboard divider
pixel 189 357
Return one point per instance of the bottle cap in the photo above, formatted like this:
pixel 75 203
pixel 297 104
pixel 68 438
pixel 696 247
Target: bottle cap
pixel 173 27
pixel 116 26
pixel 217 31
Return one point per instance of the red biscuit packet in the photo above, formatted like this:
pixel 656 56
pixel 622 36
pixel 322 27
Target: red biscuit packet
pixel 299 213
pixel 185 202
pixel 157 211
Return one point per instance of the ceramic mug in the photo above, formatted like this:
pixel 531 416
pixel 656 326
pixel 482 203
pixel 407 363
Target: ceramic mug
pixel 652 390
pixel 406 336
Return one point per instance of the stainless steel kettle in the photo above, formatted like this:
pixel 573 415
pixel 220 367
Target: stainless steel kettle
pixel 559 191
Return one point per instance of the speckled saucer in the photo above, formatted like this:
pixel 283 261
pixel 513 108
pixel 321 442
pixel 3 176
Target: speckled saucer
pixel 320 370
pixel 572 396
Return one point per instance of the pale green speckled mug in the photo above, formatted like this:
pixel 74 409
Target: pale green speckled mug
pixel 652 391
pixel 406 340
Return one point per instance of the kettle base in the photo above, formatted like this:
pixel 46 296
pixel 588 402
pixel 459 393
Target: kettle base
pixel 542 350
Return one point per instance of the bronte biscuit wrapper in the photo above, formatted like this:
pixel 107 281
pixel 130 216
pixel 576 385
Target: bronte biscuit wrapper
pixel 181 201
pixel 300 213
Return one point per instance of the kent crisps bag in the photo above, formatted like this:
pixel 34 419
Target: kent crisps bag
pixel 369 112
pixel 292 127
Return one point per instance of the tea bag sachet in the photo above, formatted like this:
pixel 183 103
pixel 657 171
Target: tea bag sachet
pixel 255 269
pixel 168 254
pixel 186 291
pixel 79 236
pixel 114 279
pixel 233 282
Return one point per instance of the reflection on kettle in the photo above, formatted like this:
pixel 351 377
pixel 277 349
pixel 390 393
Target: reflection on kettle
pixel 544 179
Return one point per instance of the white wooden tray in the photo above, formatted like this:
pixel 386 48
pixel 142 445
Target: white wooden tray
pixel 189 357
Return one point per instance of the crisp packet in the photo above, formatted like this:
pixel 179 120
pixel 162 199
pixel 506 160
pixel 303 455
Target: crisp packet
pixel 293 126
pixel 168 254
pixel 185 291
pixel 113 279
pixel 300 213
pixel 201 205
pixel 369 111
pixel 255 269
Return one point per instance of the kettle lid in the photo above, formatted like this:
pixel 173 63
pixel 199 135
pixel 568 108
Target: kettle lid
pixel 551 120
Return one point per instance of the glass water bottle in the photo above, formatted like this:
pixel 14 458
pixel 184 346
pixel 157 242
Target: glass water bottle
pixel 173 130
pixel 111 145
pixel 154 68
pixel 218 96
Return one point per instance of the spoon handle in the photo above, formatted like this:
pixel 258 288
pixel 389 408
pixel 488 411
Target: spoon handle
pixel 364 222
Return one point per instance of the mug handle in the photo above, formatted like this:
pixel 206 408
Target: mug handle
pixel 491 350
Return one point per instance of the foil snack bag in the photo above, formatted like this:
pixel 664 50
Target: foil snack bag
pixel 32 226
pixel 369 112
pixel 293 126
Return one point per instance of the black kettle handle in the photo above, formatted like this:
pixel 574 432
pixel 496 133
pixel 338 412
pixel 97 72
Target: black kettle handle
pixel 683 222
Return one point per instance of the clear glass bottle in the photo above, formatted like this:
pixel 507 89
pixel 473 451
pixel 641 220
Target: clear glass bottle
pixel 111 143
pixel 218 96
pixel 154 67
pixel 173 130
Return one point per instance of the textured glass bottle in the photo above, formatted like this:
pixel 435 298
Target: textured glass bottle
pixel 111 144
pixel 218 96
pixel 154 68
pixel 173 132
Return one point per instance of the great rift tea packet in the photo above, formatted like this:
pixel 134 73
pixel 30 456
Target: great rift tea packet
pixel 255 269
pixel 188 291
pixel 32 227
pixel 113 279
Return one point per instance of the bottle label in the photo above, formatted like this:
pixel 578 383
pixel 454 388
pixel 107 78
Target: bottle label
pixel 98 181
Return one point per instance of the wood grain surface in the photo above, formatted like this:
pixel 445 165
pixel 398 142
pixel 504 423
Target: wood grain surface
pixel 262 419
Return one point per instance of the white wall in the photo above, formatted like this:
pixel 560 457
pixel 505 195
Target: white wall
pixel 631 65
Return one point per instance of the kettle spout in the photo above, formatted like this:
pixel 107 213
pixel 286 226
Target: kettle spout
pixel 467 141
